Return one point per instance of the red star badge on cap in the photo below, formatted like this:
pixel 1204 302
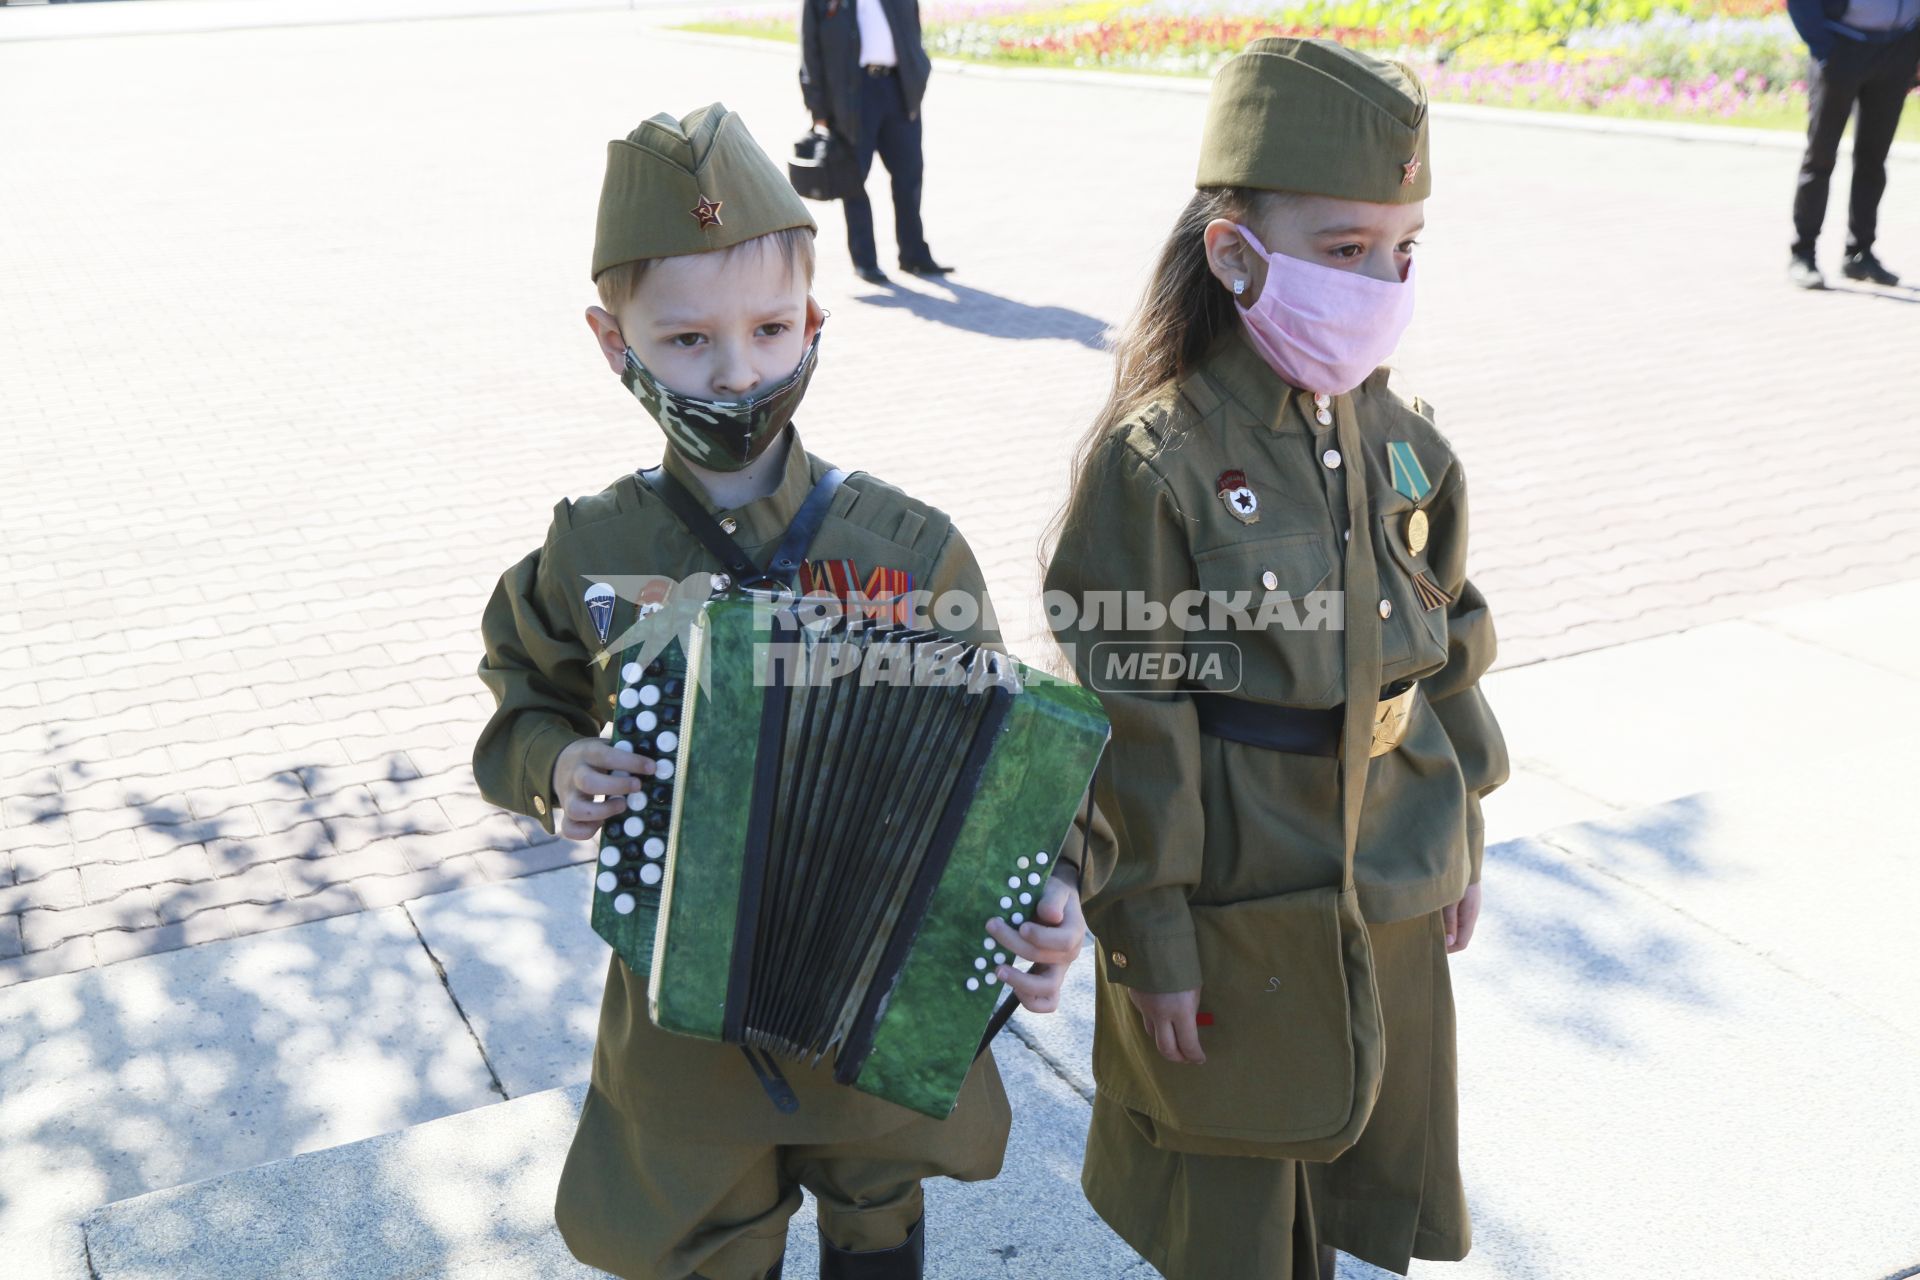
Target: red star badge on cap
pixel 1410 170
pixel 708 211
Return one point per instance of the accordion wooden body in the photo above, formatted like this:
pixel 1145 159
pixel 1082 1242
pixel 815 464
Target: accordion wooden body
pixel 845 803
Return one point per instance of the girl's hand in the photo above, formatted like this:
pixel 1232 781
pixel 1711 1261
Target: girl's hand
pixel 1460 919
pixel 1051 940
pixel 1169 1019
pixel 589 767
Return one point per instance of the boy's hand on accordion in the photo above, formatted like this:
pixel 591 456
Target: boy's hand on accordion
pixel 1050 940
pixel 590 767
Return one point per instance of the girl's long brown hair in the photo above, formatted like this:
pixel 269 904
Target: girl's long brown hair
pixel 1183 311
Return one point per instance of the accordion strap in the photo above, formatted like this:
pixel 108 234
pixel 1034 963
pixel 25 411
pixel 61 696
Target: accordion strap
pixel 785 565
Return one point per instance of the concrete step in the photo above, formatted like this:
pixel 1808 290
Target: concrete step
pixel 470 1197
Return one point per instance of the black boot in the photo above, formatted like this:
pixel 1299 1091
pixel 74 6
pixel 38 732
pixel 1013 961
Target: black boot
pixel 905 1261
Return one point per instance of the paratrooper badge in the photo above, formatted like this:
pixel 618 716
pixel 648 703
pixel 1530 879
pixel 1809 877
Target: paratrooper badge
pixel 1241 501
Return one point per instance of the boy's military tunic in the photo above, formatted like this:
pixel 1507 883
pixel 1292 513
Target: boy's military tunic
pixel 683 1119
pixel 1163 508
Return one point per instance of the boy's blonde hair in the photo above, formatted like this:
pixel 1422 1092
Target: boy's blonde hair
pixel 618 283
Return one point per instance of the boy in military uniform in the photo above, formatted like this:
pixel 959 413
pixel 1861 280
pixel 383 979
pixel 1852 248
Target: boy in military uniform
pixel 681 1166
pixel 1251 453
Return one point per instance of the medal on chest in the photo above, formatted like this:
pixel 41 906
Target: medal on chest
pixel 1241 501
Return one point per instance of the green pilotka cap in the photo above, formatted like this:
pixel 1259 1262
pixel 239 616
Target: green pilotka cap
pixel 690 186
pixel 1318 118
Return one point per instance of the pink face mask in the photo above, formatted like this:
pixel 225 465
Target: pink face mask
pixel 1323 329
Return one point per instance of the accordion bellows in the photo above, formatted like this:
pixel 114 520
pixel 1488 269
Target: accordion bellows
pixel 850 802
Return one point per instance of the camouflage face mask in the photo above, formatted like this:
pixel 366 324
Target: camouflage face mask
pixel 721 435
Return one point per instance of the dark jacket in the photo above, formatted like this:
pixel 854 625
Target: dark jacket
pixel 830 72
pixel 1819 24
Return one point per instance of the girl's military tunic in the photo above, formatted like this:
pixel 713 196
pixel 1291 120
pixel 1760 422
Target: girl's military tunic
pixel 681 1163
pixel 1232 484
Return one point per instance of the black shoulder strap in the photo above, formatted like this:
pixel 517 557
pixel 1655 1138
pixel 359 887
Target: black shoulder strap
pixel 786 557
pixel 785 565
pixel 698 523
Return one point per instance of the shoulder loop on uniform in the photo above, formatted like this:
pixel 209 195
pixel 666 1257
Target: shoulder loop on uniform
pixel 563 516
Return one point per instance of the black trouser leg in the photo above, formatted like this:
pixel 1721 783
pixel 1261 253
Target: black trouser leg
pixel 905 1261
pixel 899 144
pixel 857 208
pixel 1883 94
pixel 1831 89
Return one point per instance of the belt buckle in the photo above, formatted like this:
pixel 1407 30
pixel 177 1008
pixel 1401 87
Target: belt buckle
pixel 1390 722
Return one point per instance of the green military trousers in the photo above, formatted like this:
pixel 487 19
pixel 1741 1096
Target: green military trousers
pixel 670 1209
pixel 1394 1196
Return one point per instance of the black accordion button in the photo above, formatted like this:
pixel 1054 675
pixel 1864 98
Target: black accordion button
pixel 655 667
pixel 629 876
pixel 656 821
pixel 624 724
pixel 669 715
pixel 671 688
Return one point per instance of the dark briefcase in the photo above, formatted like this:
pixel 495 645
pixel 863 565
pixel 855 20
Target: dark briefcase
pixel 822 167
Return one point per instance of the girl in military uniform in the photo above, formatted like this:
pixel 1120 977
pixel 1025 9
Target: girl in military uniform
pixel 681 1165
pixel 1262 569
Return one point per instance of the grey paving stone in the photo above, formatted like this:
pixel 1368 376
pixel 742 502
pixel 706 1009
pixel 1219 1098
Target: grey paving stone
pixel 174 1067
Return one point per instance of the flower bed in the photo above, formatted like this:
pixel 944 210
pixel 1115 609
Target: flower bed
pixel 1715 61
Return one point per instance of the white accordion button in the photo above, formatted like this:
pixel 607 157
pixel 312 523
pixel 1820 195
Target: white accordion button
pixel 667 741
pixel 646 721
pixel 1026 899
pixel 649 694
pixel 609 857
pixel 649 873
pixel 1013 882
pixel 631 673
pixel 633 826
pixel 979 962
pixel 986 944
pixel 623 746
pixel 1018 918
pixel 636 802
pixel 1040 858
pixel 973 984
pixel 624 904
pixel 1024 863
pixel 629 699
pixel 654 847
pixel 1005 903
pixel 663 769
pixel 607 881
pixel 999 957
pixel 1033 877
pixel 992 978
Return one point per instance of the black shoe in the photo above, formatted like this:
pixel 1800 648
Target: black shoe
pixel 927 267
pixel 905 1261
pixel 872 275
pixel 1864 266
pixel 1802 274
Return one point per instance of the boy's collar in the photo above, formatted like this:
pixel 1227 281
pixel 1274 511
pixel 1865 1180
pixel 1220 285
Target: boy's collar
pixel 765 520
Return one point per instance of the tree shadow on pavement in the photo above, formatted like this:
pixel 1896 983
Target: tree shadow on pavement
pixel 977 311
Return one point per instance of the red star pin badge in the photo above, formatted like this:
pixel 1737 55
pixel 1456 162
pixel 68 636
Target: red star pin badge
pixel 1409 171
pixel 708 212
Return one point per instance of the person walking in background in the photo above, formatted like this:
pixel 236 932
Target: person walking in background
pixel 1865 53
pixel 863 73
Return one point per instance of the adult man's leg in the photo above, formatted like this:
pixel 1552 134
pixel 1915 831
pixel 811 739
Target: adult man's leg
pixel 900 149
pixel 1883 94
pixel 1831 88
pixel 858 209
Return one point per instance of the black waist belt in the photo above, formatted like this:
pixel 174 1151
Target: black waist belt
pixel 880 69
pixel 1300 731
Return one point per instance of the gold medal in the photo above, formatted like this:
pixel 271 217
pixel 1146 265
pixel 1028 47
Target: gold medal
pixel 1417 531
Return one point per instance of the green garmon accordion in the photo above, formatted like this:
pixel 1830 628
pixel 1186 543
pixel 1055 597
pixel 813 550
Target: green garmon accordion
pixel 841 805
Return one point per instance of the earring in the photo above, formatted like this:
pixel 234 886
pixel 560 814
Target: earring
pixel 1239 287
